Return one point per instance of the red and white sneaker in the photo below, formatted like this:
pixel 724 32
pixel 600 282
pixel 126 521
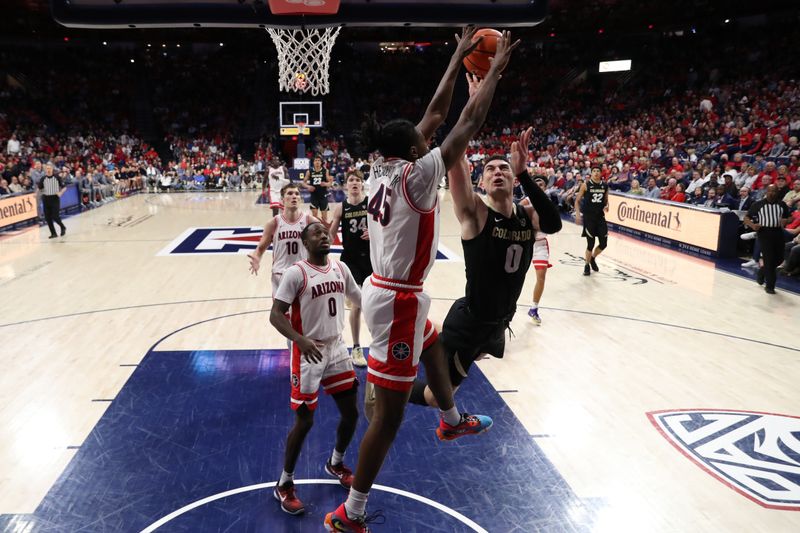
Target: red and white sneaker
pixel 339 522
pixel 290 503
pixel 344 474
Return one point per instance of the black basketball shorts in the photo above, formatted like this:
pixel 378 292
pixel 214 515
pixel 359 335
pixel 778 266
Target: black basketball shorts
pixel 465 338
pixel 594 226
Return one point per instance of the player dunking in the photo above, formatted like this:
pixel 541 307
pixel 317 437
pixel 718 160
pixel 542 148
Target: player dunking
pixel 352 213
pixel 594 218
pixel 315 289
pixel 403 227
pixel 497 235
pixel 316 181
pixel 283 232
pixel 278 178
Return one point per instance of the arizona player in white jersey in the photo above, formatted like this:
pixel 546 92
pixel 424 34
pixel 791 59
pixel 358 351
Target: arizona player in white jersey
pixel 283 232
pixel 403 223
pixel 278 178
pixel 315 290
pixel 541 259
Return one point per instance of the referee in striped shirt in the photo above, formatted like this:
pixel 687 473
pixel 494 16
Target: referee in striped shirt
pixel 52 189
pixel 772 215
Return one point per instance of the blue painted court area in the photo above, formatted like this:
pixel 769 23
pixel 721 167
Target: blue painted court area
pixel 189 425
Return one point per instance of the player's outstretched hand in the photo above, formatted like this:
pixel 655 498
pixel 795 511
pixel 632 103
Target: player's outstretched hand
pixel 519 152
pixel 255 263
pixel 474 83
pixel 310 188
pixel 503 53
pixel 464 43
pixel 365 235
pixel 309 349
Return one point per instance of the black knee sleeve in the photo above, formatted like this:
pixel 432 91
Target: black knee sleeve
pixel 603 242
pixel 590 243
pixel 418 393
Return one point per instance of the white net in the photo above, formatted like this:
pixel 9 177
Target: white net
pixel 303 58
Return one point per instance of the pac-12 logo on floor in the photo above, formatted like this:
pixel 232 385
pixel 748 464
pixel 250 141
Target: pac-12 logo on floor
pixel 236 240
pixel 756 454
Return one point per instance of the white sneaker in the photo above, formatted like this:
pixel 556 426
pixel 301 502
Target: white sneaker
pixel 750 264
pixel 358 357
pixel 748 236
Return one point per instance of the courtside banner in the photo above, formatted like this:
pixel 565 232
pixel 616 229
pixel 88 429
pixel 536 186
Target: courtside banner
pixel 14 209
pixel 673 222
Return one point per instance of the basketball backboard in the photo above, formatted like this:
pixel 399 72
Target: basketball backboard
pixel 291 114
pixel 257 13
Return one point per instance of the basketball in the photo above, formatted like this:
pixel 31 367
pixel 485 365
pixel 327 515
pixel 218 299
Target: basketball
pixel 479 61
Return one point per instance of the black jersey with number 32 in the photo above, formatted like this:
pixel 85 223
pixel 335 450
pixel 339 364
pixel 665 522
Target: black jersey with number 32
pixel 497 260
pixel 595 198
pixel 354 223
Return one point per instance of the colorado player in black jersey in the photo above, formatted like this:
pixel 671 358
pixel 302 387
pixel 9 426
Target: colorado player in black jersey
pixel 316 181
pixel 497 236
pixel 594 217
pixel 352 213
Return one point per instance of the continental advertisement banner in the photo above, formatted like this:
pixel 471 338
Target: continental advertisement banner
pixel 671 222
pixel 15 209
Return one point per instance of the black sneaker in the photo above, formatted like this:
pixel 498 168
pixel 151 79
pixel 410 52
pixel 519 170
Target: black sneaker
pixel 594 265
pixel 586 271
pixel 770 291
pixel 63 230
pixel 760 276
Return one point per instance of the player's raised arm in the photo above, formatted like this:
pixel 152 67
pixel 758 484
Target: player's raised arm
pixel 549 219
pixel 335 221
pixel 263 244
pixel 474 113
pixel 439 107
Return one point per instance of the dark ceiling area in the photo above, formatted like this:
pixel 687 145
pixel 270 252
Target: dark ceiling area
pixel 568 19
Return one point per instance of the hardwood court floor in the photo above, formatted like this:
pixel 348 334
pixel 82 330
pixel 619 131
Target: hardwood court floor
pixel 654 332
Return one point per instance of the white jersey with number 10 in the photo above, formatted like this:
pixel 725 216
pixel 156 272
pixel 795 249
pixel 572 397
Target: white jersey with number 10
pixel 403 217
pixel 287 247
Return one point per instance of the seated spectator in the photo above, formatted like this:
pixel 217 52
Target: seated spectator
pixel 792 198
pixel 669 191
pixel 636 189
pixel 679 195
pixel 697 198
pixel 711 198
pixel 745 200
pixel 783 187
pixel 652 190
pixel 16 187
pixel 791 262
pixel 4 190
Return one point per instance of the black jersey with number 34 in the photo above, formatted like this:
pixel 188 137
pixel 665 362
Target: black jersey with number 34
pixel 595 198
pixel 354 223
pixel 497 260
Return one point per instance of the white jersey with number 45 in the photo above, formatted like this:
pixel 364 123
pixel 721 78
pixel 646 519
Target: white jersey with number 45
pixel 287 247
pixel 316 295
pixel 403 217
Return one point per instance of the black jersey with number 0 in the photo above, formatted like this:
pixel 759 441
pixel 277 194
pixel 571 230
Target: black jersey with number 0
pixel 497 260
pixel 354 223
pixel 317 178
pixel 595 198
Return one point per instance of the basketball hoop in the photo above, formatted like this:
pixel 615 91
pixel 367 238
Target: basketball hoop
pixel 303 58
pixel 300 127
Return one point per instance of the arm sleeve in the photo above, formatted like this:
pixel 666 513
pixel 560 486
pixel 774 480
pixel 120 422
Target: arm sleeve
pixel 291 285
pixel 549 220
pixel 424 176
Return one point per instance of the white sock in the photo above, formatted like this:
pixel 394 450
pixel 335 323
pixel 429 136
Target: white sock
pixel 285 478
pixel 336 457
pixel 535 305
pixel 356 503
pixel 451 417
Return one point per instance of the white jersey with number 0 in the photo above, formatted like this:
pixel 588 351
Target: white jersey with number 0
pixel 316 295
pixel 287 247
pixel 403 217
